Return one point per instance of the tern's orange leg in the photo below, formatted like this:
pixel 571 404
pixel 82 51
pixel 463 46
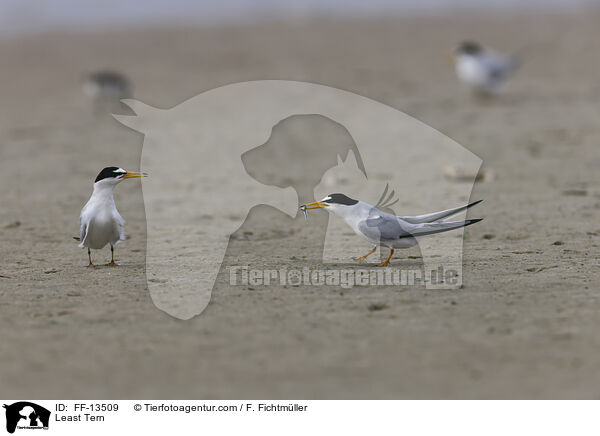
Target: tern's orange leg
pixel 387 261
pixel 361 258
pixel 112 257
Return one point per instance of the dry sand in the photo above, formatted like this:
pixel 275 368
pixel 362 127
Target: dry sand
pixel 525 325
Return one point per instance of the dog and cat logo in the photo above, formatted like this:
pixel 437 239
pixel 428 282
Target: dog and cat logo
pixel 26 415
pixel 222 138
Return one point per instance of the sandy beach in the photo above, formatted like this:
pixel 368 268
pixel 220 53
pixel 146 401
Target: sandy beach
pixel 524 325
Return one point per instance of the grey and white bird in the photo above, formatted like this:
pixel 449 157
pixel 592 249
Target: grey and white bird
pixel 108 84
pixel 106 89
pixel 481 69
pixel 100 222
pixel 385 229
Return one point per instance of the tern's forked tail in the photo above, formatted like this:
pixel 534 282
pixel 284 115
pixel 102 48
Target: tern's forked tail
pixel 437 227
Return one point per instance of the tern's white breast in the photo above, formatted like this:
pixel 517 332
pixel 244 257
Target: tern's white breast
pixel 104 228
pixel 472 71
pixel 104 223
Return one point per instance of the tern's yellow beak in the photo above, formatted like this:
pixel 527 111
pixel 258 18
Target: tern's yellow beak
pixel 133 175
pixel 315 205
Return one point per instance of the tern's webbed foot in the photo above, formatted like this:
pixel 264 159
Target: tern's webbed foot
pixel 361 258
pixel 387 261
pixel 91 265
pixel 112 263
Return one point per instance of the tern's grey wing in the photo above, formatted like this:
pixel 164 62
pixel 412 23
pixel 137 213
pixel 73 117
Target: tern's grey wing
pixel 500 66
pixel 382 226
pixel 120 226
pixel 437 216
pixel 83 227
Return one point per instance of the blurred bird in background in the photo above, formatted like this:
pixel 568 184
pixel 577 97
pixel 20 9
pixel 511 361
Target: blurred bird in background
pixel 106 89
pixel 483 70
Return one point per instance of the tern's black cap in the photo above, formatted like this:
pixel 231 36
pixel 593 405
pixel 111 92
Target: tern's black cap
pixel 340 199
pixel 109 172
pixel 469 47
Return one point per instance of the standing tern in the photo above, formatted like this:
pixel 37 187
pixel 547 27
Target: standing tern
pixel 106 89
pixel 108 85
pixel 385 229
pixel 483 70
pixel 100 222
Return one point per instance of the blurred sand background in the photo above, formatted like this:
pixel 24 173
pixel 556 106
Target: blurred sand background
pixel 525 325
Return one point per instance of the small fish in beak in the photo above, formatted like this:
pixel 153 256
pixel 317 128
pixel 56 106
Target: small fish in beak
pixel 304 211
pixel 314 205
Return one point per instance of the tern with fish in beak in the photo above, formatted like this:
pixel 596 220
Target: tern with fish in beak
pixel 381 228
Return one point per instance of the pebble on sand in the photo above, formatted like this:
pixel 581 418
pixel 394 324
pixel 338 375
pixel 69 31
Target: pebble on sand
pixel 460 174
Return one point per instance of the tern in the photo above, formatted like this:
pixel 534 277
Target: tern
pixel 483 70
pixel 106 89
pixel 107 84
pixel 385 229
pixel 100 222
